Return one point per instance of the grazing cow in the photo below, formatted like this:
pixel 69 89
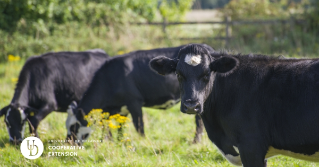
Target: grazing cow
pixel 121 86
pixel 253 107
pixel 47 83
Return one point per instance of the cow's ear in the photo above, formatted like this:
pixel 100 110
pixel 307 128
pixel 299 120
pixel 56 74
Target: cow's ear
pixel 163 65
pixel 4 110
pixel 224 64
pixel 30 111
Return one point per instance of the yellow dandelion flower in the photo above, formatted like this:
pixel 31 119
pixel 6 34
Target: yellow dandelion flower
pixel 112 126
pixel 96 110
pixel 14 80
pixel 12 58
pixel 120 52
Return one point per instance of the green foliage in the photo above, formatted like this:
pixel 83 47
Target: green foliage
pixel 42 15
pixel 312 16
pixel 290 39
pixel 94 13
pixel 209 4
pixel 174 10
pixel 11 12
pixel 254 9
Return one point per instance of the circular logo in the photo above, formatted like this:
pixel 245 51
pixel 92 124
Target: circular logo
pixel 31 147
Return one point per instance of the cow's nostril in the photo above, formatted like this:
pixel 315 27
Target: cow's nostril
pixel 185 107
pixel 197 108
pixel 191 107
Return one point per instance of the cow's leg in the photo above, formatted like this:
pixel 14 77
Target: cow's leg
pixel 36 119
pixel 33 125
pixel 199 129
pixel 252 154
pixel 120 133
pixel 137 116
pixel 108 133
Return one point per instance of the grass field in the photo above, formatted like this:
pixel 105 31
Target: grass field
pixel 168 140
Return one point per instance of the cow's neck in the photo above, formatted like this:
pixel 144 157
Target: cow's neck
pixel 20 96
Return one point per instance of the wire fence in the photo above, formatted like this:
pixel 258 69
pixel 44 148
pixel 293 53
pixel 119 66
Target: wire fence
pixel 228 26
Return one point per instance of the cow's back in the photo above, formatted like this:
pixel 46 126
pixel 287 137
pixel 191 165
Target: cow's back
pixel 155 89
pixel 63 76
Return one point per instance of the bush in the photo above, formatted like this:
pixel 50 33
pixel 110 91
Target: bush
pixel 91 12
pixel 11 12
pixel 291 39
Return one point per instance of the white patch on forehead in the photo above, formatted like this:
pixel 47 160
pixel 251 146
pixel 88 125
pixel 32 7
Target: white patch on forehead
pixel 22 115
pixel 193 60
pixel 124 111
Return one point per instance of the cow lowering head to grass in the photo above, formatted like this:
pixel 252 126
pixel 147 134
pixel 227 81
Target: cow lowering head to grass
pixel 253 107
pixel 15 125
pixel 47 83
pixel 74 122
pixel 125 84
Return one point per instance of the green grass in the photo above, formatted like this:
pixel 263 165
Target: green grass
pixel 168 140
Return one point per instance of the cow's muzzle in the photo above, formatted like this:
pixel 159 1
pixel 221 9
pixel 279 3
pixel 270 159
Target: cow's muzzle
pixel 191 107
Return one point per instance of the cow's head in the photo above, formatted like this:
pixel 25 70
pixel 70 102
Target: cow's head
pixel 196 69
pixel 15 117
pixel 76 125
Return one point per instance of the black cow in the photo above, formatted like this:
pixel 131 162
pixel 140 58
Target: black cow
pixel 123 85
pixel 253 107
pixel 47 83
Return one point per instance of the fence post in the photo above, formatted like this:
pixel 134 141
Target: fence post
pixel 164 25
pixel 228 31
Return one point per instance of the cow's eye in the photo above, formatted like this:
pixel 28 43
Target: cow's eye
pixel 179 77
